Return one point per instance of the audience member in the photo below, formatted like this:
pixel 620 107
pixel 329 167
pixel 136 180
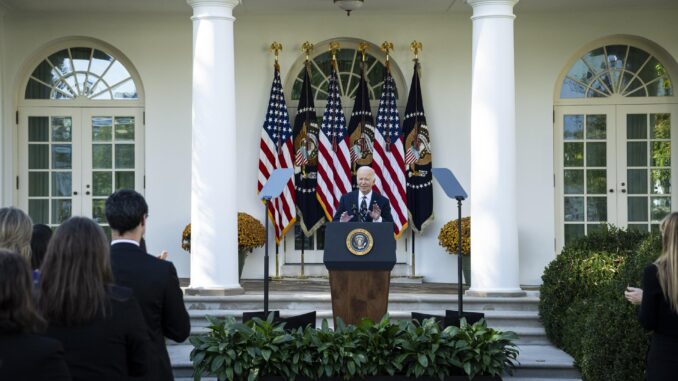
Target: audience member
pixel 659 305
pixel 16 229
pixel 100 325
pixel 23 354
pixel 154 281
pixel 39 240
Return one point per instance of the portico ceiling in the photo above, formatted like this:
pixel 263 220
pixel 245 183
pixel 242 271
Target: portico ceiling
pixel 297 6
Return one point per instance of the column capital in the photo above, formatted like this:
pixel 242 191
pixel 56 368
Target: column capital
pixel 211 9
pixel 492 8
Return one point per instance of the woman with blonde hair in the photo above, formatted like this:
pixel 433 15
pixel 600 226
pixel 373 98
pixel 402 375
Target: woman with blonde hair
pixel 659 305
pixel 16 229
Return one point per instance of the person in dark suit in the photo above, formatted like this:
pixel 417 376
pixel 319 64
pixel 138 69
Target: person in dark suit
pixel 154 281
pixel 658 301
pixel 23 354
pixel 99 324
pixel 363 205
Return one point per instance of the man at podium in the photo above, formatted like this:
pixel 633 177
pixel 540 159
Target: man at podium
pixel 363 205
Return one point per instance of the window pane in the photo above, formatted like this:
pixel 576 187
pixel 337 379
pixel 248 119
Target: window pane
pixel 38 129
pixel 596 208
pixel 102 128
pixel 124 128
pixel 573 154
pixel 573 231
pixel 61 211
pixel 637 208
pixel 596 181
pixel 661 206
pixel 596 154
pixel 102 183
pixel 636 59
pixel 38 184
pixel 660 181
pixel 590 228
pixel 595 126
pixel 574 181
pixel 99 211
pixel 573 127
pixel 660 126
pixel 320 236
pixel 572 89
pixel 124 180
pixel 102 156
pixel 661 154
pixel 124 156
pixel 637 181
pixel 580 72
pixel 299 238
pixel 38 210
pixel 637 227
pixel 38 156
pixel 574 208
pixel 636 154
pixel 62 184
pixel 61 129
pixel 636 126
pixel 61 156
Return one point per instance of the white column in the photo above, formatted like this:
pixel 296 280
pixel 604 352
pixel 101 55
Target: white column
pixel 214 211
pixel 494 236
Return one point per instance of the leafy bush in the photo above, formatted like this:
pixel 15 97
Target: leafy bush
pixel 259 348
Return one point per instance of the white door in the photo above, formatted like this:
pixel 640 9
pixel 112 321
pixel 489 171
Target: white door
pixel 613 165
pixel 71 159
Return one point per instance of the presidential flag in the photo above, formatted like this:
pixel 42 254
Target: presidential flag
pixel 334 159
pixel 418 158
pixel 388 156
pixel 361 128
pixel 276 152
pixel 309 211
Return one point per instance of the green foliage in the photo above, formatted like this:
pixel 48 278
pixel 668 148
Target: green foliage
pixel 585 309
pixel 236 351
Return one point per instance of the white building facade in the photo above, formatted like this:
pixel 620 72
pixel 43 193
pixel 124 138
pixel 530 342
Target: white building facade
pixel 555 118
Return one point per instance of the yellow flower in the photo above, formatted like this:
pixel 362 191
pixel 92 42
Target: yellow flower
pixel 251 234
pixel 448 236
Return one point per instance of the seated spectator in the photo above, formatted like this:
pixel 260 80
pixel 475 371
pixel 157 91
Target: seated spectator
pixel 99 324
pixel 39 240
pixel 16 229
pixel 23 354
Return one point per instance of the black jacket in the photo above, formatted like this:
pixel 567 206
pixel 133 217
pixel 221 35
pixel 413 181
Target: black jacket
pixel 156 287
pixel 30 357
pixel 112 347
pixel 349 203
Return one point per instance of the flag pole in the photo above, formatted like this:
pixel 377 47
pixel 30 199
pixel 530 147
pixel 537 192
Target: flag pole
pixel 414 271
pixel 415 46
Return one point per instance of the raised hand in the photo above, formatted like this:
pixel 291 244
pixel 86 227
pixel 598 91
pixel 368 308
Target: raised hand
pixel 345 217
pixel 375 213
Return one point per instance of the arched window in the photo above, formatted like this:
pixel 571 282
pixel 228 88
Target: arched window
pixel 617 69
pixel 81 72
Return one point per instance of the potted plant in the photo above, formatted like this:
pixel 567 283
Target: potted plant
pixel 448 239
pixel 251 234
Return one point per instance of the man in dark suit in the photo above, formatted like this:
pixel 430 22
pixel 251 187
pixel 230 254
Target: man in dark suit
pixel 154 281
pixel 363 205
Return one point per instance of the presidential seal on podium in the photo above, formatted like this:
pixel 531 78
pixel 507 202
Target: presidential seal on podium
pixel 359 242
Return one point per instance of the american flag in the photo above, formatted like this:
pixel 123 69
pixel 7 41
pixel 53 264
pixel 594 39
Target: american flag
pixel 276 151
pixel 411 156
pixel 388 162
pixel 334 158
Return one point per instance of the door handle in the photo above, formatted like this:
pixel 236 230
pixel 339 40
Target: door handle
pixel 611 190
pixel 75 193
pixel 623 190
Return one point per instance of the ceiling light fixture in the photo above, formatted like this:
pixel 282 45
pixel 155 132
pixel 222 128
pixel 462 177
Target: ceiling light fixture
pixel 349 5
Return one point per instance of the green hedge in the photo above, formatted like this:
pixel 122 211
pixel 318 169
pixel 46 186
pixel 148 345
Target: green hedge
pixel 585 310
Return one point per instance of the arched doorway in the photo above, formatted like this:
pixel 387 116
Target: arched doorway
pixel 81 131
pixel 614 138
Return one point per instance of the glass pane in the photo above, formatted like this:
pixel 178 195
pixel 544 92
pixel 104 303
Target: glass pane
pixel 637 181
pixel 636 154
pixel 651 70
pixel 100 62
pixel 660 126
pixel 654 228
pixel 125 90
pixel 124 156
pixel 596 181
pixel 102 128
pixel 102 156
pixel 38 210
pixel 637 207
pixel 124 128
pixel 573 181
pixel 62 184
pixel 320 237
pixel 38 184
pixel 661 154
pixel 299 238
pixel 61 211
pixel 573 127
pixel 38 156
pixel 81 58
pixel 661 87
pixel 596 208
pixel 574 208
pixel 637 227
pixel 61 129
pixel 124 180
pixel 573 154
pixel 616 54
pixel 590 228
pixel 636 59
pixel 99 211
pixel 38 129
pixel 572 89
pixel 595 126
pixel 661 206
pixel 636 126
pixel 596 154
pixel 596 60
pixel 61 156
pixel 660 180
pixel 580 72
pixel 116 74
pixel 573 231
pixel 107 231
pixel 102 183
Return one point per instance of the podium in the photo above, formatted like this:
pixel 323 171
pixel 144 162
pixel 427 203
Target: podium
pixel 359 257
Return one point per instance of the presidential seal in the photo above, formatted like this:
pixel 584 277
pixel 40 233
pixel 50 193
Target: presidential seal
pixel 359 242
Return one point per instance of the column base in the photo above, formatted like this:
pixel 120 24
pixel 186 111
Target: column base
pixel 215 291
pixel 506 293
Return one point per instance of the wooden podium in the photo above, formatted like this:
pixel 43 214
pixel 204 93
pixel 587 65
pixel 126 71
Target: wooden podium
pixel 359 257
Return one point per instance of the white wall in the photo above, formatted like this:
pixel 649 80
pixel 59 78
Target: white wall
pixel 160 48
